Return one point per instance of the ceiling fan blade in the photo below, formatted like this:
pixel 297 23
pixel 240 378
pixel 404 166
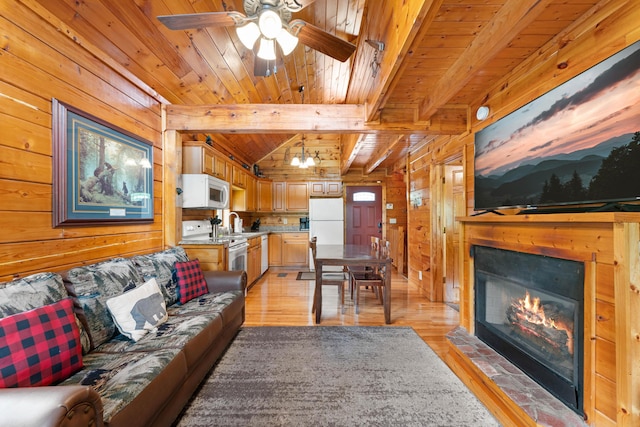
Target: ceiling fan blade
pixel 320 40
pixel 200 20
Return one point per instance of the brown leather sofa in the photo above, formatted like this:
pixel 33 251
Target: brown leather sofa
pixel 181 355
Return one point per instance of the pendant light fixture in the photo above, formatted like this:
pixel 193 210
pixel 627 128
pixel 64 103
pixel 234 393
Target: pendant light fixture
pixel 304 161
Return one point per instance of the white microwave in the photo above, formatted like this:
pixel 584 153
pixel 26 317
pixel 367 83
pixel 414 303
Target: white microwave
pixel 204 192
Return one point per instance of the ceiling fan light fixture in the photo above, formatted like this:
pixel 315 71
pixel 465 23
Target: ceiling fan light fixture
pixel 287 41
pixel 248 34
pixel 267 49
pixel 270 23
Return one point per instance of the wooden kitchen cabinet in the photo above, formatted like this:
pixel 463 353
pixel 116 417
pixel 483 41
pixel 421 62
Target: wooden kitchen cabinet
pixel 264 192
pixel 252 196
pixel 239 177
pixel 290 197
pixel 297 197
pixel 295 249
pixel 197 157
pixel 275 249
pixel 278 196
pixel 220 167
pixel 325 189
pixel 212 257
pixel 254 259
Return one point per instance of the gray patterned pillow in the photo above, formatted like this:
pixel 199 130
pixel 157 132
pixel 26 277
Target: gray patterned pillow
pixel 160 265
pixel 30 292
pixel 94 284
pixel 33 292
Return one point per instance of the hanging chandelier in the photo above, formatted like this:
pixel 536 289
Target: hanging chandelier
pixel 267 32
pixel 305 160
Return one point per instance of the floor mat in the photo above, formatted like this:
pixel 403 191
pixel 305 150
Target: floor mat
pixel 306 275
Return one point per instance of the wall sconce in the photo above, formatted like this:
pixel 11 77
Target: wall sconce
pixel 375 63
pixel 483 112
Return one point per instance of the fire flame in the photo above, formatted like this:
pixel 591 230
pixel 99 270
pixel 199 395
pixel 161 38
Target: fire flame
pixel 532 311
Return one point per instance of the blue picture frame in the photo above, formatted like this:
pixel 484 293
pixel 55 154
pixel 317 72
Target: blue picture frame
pixel 102 174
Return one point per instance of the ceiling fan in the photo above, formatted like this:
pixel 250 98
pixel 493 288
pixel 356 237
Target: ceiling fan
pixel 265 24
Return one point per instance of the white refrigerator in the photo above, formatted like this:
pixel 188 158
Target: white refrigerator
pixel 326 221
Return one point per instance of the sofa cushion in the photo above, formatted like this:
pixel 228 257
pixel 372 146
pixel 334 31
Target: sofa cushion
pixel 120 378
pixel 191 283
pixel 93 285
pixel 39 347
pixel 30 292
pixel 205 304
pixel 161 265
pixel 138 310
pixel 36 291
pixel 176 332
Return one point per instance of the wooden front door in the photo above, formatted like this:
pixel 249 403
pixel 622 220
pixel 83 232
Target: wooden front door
pixel 363 214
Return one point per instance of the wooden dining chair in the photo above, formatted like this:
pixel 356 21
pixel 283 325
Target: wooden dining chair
pixel 375 246
pixel 333 278
pixel 373 278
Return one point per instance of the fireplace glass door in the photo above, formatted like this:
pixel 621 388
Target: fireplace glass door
pixel 529 308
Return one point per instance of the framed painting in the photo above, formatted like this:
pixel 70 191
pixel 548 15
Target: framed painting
pixel 101 174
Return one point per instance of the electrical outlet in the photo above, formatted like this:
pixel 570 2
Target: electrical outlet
pixel 420 275
pixel 284 220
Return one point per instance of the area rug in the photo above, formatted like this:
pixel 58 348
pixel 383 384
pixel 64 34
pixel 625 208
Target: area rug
pixel 332 376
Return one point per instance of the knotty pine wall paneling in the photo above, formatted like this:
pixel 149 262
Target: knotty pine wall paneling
pixel 612 376
pixel 38 63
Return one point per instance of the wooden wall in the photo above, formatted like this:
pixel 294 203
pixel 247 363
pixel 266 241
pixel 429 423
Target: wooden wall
pixel 613 369
pixel 425 240
pixel 38 62
pixel 610 27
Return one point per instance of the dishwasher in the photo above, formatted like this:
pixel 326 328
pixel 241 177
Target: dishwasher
pixel 264 265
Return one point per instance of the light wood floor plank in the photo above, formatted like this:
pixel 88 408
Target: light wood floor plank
pixel 278 299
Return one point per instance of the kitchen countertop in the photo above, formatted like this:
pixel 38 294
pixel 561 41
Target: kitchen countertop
pixel 224 240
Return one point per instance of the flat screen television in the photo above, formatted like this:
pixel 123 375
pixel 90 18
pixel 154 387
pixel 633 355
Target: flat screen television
pixel 577 144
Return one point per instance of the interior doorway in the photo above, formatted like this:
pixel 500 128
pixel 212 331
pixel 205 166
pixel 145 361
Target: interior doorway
pixel 363 214
pixel 449 202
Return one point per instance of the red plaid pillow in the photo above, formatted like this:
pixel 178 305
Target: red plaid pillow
pixel 39 347
pixel 191 283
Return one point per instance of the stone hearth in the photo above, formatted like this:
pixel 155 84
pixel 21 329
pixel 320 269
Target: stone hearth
pixel 540 405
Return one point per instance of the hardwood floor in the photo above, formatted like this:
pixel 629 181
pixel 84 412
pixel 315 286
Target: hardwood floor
pixel 278 299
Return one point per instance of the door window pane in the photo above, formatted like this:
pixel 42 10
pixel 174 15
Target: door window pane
pixel 364 196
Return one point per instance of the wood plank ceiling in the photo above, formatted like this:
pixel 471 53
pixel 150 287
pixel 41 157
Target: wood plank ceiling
pixel 439 60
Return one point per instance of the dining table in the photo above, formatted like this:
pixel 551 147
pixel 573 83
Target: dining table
pixel 352 255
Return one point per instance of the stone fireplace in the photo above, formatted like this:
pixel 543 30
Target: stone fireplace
pixel 529 308
pixel 593 357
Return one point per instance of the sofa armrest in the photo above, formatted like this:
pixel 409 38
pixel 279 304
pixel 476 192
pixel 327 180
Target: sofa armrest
pixel 67 406
pixel 221 281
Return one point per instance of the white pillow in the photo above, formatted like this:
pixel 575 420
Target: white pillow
pixel 139 310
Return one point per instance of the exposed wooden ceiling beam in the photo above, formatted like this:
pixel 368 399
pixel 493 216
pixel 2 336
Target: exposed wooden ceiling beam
pixel 352 146
pixel 510 20
pixel 382 155
pixel 289 118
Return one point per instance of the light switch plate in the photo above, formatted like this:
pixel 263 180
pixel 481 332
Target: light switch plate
pixel 389 205
pixel 392 221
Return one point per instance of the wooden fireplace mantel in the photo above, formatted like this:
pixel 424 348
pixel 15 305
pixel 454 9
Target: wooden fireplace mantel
pixel 609 245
